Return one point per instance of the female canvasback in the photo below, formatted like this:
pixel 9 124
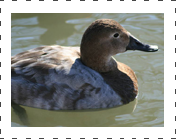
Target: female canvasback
pixel 62 78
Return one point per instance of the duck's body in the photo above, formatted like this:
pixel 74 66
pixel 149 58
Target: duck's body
pixel 56 78
pixel 53 77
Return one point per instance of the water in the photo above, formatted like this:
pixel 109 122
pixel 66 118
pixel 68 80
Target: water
pixel 34 30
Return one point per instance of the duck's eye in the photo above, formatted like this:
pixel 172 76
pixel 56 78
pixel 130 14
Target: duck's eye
pixel 116 35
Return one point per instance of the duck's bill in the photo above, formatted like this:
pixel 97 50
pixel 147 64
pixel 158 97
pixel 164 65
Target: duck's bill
pixel 135 44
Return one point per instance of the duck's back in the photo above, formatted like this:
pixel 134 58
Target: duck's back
pixel 53 77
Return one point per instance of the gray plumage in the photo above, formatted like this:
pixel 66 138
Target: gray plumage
pixel 53 77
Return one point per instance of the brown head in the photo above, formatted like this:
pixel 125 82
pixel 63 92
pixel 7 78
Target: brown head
pixel 103 39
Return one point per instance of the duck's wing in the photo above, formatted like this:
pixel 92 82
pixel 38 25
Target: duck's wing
pixel 35 74
pixel 36 65
pixel 53 77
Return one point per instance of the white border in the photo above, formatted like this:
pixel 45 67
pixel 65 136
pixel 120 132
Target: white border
pixel 88 6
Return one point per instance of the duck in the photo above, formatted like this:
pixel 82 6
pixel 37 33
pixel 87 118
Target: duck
pixel 76 78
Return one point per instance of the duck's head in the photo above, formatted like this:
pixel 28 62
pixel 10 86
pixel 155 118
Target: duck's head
pixel 105 38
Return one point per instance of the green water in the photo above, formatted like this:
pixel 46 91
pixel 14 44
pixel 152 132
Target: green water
pixel 33 30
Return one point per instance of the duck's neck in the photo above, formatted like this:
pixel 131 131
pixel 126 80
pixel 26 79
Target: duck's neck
pixel 100 63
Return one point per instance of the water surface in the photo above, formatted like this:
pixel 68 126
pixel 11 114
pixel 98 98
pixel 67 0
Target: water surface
pixel 34 30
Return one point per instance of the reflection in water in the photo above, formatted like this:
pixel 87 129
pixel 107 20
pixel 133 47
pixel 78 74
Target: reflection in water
pixel 33 30
pixel 102 117
pixel 21 113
